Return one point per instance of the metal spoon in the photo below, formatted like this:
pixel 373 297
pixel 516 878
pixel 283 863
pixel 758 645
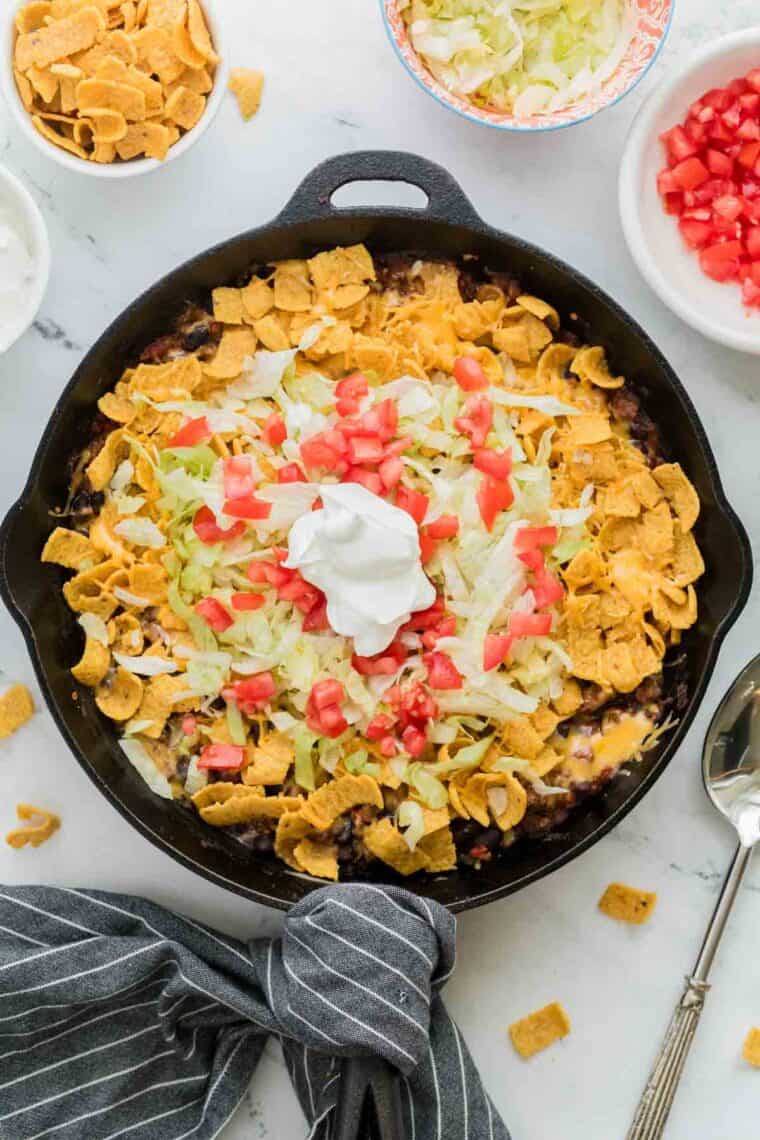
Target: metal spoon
pixel 731 772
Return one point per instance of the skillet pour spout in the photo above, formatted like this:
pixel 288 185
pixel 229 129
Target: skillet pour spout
pixel 447 227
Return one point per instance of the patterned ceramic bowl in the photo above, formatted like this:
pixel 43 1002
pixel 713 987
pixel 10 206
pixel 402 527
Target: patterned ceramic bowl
pixel 651 21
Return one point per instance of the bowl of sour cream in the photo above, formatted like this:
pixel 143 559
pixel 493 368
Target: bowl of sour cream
pixel 24 259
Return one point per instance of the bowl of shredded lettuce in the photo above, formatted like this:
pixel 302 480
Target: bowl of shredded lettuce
pixel 527 65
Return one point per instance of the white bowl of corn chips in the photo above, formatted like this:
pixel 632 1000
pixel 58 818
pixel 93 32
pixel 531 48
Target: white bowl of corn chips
pixel 113 89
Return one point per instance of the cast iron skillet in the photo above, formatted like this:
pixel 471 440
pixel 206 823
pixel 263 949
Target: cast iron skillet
pixel 447 226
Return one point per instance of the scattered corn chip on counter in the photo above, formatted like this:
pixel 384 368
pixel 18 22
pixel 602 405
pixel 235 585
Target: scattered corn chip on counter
pixel 556 542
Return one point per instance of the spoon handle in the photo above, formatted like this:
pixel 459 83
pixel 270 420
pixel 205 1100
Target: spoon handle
pixel 657 1098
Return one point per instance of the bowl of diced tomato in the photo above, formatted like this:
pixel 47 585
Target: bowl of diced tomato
pixel 690 191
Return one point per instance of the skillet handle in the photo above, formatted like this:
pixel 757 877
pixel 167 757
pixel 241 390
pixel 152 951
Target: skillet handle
pixel 447 200
pixel 369 1105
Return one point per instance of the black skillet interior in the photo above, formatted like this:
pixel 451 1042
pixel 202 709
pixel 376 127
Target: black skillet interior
pixel 448 226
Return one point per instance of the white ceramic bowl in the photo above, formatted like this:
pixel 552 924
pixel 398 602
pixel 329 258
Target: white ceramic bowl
pixel 26 214
pixel 673 271
pixel 213 10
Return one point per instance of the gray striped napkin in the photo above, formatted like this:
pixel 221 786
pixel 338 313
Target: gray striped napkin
pixel 119 1018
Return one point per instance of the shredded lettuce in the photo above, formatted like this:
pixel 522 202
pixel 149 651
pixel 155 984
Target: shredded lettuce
pixel 138 757
pixel 521 56
pixel 411 823
pixel 304 740
pixel 359 764
pixel 94 627
pixel 428 788
pixel 235 725
pixel 141 532
pixel 468 757
pixel 145 666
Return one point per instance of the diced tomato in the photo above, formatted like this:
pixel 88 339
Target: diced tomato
pixel 324 693
pixel 445 526
pixel 729 207
pixel 666 183
pixel 388 747
pixel 732 117
pixel 209 531
pixel 238 477
pixel 495 649
pixel 721 262
pixel 718 163
pixel 365 449
pixel 413 740
pixel 530 537
pixel 252 693
pixel 245 602
pixel 753 79
pixel 533 559
pixel 496 463
pixel 469 374
pixel 690 173
pixel 697 130
pixel 378 727
pixel 383 664
pixel 493 496
pixel 748 131
pixel 194 432
pixel 718 98
pixel 413 502
pixel 695 234
pixel 323 711
pixel 753 243
pixel 425 619
pixel 318 451
pixel 412 704
pixel 290 473
pixel 428 548
pixel 316 618
pixel 476 421
pixel 214 614
pixel 399 446
pixel 369 479
pixel 678 144
pixel 673 203
pixel 380 420
pixel 247 508
pixel 390 471
pixel 750 102
pixel 353 387
pixel 442 672
pixel 530 625
pixel 737 87
pixel 189 725
pixel 749 154
pixel 275 430
pixel 222 757
pixel 546 589
pixel 447 628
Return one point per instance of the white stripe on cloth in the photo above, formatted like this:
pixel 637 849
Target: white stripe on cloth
pixel 349 1017
pixel 120 1104
pixel 48 914
pixel 109 1013
pixel 382 926
pixel 367 954
pixel 353 982
pixel 23 937
pixel 89 1001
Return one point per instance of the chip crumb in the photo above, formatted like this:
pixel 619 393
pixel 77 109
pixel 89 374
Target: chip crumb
pixel 751 1050
pixel 16 708
pixel 247 86
pixel 626 904
pixel 41 824
pixel 539 1030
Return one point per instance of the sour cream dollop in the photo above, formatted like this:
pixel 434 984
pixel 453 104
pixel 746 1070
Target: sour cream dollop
pixel 365 555
pixel 16 277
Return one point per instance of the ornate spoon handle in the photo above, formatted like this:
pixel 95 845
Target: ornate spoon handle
pixel 657 1098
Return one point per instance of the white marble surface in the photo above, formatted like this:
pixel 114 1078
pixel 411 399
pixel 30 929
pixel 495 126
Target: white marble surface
pixel 333 85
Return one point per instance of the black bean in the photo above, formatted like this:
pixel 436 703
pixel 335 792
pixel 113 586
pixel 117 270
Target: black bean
pixel 264 844
pixel 490 838
pixel 196 337
pixel 342 830
pixel 465 832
